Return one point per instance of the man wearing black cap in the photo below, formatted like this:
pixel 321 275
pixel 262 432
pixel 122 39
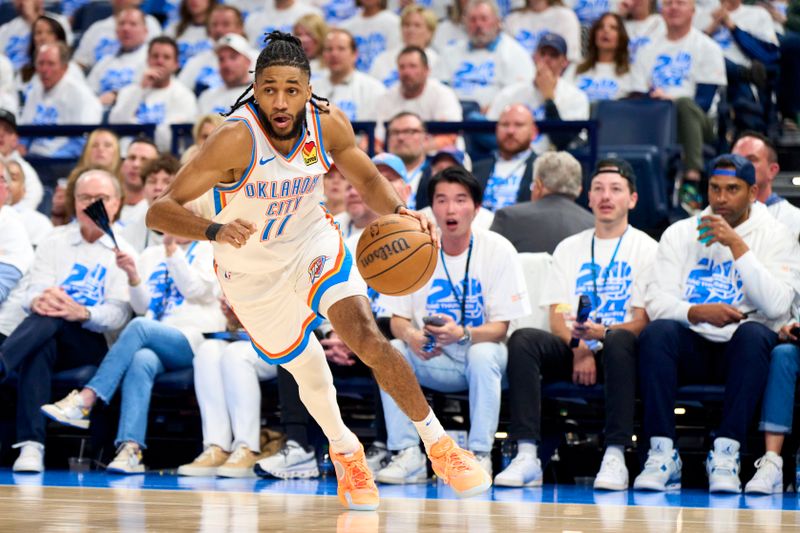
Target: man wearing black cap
pixel 9 141
pixel 609 264
pixel 550 96
pixel 723 284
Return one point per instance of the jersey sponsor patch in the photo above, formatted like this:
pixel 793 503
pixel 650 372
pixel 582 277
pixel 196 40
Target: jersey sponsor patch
pixel 310 153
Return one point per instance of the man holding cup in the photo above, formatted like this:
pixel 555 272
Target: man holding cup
pixel 723 285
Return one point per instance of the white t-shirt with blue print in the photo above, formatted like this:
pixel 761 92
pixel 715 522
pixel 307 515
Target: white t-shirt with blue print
pixel 502 186
pixel 642 33
pixel 219 100
pixel 115 72
pixel 174 104
pixel 267 19
pixel 88 272
pixel 447 34
pixel 754 20
pixel 373 35
pixel 68 102
pixel 603 83
pixel 337 11
pixel 100 40
pixel 191 42
pixel 621 285
pixel 480 74
pixel 677 67
pixel 201 72
pixel 180 291
pixel 15 38
pixel 358 96
pixel 497 290
pixel 590 10
pixel 764 279
pixel 527 27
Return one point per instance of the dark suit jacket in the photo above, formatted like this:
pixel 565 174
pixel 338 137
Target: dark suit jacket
pixel 483 169
pixel 539 226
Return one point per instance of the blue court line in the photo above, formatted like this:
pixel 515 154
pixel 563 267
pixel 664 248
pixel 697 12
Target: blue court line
pixel 326 486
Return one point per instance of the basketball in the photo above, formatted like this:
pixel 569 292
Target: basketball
pixel 394 256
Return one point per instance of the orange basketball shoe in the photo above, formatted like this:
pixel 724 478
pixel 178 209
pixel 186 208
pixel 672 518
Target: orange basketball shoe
pixel 458 468
pixel 357 488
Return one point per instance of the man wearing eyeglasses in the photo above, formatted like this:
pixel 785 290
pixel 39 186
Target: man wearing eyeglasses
pixel 77 291
pixel 407 136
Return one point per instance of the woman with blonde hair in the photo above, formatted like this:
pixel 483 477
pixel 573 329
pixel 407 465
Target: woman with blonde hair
pixel 200 132
pixel 102 149
pixel 605 74
pixel 417 28
pixel 545 16
pixel 311 29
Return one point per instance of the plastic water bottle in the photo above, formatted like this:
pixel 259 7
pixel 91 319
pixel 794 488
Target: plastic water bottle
pixel 507 452
pixel 797 471
pixel 325 464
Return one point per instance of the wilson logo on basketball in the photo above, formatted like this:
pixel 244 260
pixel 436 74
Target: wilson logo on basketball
pixel 310 153
pixel 386 251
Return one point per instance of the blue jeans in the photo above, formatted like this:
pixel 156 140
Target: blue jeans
pixel 144 349
pixel 482 374
pixel 777 410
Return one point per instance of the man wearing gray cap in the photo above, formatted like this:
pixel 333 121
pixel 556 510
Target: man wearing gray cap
pixel 722 286
pixel 235 58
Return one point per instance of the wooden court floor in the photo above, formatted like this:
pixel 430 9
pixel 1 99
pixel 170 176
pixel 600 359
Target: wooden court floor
pixel 64 509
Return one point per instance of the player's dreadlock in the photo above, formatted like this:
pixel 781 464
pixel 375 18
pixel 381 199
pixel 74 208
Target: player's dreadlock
pixel 281 49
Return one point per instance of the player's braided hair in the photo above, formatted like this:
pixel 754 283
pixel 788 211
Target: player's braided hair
pixel 281 49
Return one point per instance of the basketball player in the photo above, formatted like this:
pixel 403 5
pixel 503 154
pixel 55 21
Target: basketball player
pixel 282 263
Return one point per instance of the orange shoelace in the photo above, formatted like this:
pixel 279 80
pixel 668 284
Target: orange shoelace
pixel 359 474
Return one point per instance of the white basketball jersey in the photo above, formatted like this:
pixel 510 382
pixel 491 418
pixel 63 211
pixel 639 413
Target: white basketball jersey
pixel 281 195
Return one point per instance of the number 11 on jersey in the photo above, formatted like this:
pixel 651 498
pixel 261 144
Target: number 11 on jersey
pixel 272 223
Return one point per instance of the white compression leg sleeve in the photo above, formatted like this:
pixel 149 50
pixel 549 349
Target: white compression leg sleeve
pixel 315 381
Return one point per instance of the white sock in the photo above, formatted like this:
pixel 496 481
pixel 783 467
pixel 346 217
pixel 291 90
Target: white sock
pixel 527 447
pixel 345 445
pixel 662 443
pixel 616 451
pixel 775 458
pixel 430 430
pixel 315 382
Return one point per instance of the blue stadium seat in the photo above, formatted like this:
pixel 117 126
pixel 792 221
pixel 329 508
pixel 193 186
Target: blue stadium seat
pixel 176 381
pixel 645 133
pixel 74 378
pixel 652 209
pixel 7 12
pixel 88 14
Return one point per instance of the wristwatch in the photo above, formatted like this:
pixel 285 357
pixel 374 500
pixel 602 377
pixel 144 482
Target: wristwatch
pixel 466 338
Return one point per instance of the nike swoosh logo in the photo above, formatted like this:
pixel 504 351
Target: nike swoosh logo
pixel 263 161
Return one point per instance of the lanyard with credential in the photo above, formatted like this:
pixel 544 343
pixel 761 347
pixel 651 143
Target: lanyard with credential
pixel 607 272
pixel 466 281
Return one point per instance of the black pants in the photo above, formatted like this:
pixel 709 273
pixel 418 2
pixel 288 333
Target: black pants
pixel 672 354
pixel 37 348
pixel 536 356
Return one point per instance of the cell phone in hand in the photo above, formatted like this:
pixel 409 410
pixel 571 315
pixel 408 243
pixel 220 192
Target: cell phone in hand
pixel 584 308
pixel 434 320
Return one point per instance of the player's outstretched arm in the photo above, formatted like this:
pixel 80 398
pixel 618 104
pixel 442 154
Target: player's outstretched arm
pixel 221 159
pixel 357 167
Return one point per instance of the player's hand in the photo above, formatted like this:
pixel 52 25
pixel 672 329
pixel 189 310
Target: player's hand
pixel 236 233
pixel 336 351
pixel 718 314
pixel 447 334
pixel 426 225
pixel 584 369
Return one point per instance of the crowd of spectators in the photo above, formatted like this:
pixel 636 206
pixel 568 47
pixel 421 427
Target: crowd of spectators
pixel 711 301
